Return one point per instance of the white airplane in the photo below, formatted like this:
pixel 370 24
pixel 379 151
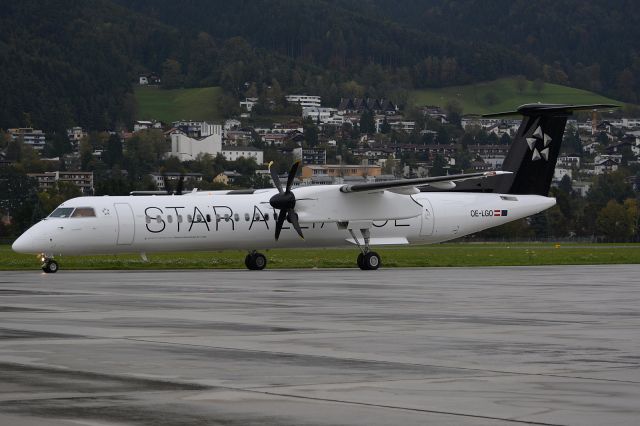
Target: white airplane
pixel 363 215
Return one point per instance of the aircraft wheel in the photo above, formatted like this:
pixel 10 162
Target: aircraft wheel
pixel 371 261
pixel 255 261
pixel 50 266
pixel 361 261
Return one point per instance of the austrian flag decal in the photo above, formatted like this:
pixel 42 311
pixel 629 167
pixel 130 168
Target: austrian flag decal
pixel 500 212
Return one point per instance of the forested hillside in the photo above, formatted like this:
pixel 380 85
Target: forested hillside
pixel 72 62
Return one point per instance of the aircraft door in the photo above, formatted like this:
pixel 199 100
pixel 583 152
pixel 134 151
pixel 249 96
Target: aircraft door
pixel 126 225
pixel 428 219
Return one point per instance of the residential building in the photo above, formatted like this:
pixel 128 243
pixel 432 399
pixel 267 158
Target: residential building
pixel 340 170
pixel 146 125
pixel 75 134
pixel 160 179
pixel 248 103
pixel 317 156
pixel 319 114
pixel 305 101
pixel 568 162
pixel 560 172
pixel 33 137
pixel 227 177
pixel 83 180
pixel 606 163
pixel 232 154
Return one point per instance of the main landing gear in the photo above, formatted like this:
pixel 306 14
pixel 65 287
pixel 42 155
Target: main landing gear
pixel 255 261
pixel 367 260
pixel 49 265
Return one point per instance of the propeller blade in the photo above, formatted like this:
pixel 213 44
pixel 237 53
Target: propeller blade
pixel 180 184
pixel 281 217
pixel 292 175
pixel 293 218
pixel 275 179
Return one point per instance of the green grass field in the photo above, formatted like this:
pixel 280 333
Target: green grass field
pixel 460 254
pixel 473 97
pixel 177 104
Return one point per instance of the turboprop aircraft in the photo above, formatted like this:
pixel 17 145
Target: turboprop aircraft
pixel 424 210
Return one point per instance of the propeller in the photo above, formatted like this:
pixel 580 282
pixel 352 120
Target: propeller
pixel 285 200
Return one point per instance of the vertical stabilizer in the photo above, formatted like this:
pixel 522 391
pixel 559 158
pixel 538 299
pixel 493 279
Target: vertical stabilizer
pixel 534 151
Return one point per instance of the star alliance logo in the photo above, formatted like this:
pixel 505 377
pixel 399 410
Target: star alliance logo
pixel 539 145
pixel 106 211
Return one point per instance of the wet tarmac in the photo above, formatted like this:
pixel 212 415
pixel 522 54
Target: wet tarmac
pixel 442 346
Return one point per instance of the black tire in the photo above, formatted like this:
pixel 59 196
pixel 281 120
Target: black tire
pixel 259 261
pixel 371 261
pixel 361 261
pixel 255 261
pixel 50 267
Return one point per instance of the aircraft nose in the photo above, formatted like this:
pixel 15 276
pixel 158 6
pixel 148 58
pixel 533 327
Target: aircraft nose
pixel 22 244
pixel 31 241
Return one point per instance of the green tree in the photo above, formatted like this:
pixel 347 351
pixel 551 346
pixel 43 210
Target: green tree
pixel 172 77
pixel 615 222
pixel 310 132
pixel 367 123
pixel 438 167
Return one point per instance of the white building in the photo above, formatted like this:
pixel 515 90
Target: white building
pixel 233 153
pixel 232 124
pixel 145 125
pixel 606 163
pixel 248 103
pixel 75 135
pixel 319 114
pixel 631 123
pixel 29 136
pixel 560 172
pixel 188 148
pixel 305 101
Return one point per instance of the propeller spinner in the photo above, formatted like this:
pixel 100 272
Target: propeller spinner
pixel 285 200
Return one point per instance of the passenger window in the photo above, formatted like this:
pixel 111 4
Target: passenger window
pixel 208 218
pixel 179 218
pixel 217 218
pixel 189 218
pixel 148 219
pixel 198 218
pixel 84 212
pixel 169 219
pixel 158 219
pixel 266 216
pixel 247 217
pixel 226 217
pixel 236 217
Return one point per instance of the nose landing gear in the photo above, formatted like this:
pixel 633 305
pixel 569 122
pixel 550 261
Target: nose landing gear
pixel 49 265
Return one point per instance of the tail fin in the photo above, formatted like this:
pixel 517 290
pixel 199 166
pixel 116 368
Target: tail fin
pixel 534 151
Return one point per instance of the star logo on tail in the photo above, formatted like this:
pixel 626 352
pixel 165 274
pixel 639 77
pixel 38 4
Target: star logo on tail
pixel 539 144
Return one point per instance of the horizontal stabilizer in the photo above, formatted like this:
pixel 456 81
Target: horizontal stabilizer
pixel 549 109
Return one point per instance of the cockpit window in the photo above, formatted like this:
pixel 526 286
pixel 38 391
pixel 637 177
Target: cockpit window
pixel 62 212
pixel 84 212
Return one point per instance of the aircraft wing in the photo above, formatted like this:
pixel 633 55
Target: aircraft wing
pixel 442 182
